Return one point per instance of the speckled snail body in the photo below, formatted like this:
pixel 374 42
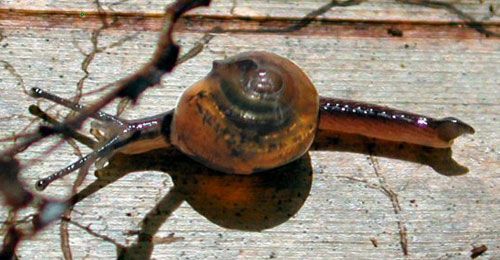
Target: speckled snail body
pixel 252 112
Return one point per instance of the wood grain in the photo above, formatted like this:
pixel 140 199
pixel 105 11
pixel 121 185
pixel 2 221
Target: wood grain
pixel 434 68
pixel 484 10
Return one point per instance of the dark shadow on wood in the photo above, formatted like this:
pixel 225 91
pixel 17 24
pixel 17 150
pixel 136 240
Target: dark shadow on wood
pixel 244 202
pixel 438 159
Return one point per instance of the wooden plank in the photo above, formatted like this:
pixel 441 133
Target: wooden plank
pixel 433 69
pixel 377 10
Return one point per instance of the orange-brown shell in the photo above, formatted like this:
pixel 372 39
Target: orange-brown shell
pixel 252 112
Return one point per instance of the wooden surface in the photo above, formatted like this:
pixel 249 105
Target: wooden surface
pixel 356 201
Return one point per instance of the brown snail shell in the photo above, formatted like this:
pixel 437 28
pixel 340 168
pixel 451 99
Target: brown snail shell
pixel 252 112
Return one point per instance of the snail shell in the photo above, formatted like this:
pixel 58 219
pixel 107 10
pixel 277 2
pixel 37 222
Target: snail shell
pixel 252 112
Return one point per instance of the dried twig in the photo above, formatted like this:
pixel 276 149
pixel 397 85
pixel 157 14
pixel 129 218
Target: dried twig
pixel 12 189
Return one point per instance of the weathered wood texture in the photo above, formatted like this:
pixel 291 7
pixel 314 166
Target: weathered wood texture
pixel 483 10
pixel 434 68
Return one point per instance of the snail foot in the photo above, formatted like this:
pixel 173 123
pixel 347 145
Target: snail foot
pixel 450 128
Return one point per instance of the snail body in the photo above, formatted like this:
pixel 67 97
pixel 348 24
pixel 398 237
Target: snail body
pixel 252 112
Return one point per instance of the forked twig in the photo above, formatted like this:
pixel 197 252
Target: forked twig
pixel 163 61
pixel 11 187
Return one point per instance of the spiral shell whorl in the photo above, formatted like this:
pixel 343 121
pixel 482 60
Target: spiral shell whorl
pixel 253 112
pixel 257 98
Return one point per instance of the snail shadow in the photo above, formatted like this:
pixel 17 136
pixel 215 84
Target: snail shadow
pixel 439 159
pixel 243 202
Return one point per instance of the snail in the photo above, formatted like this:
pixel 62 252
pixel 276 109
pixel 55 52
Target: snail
pixel 253 112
